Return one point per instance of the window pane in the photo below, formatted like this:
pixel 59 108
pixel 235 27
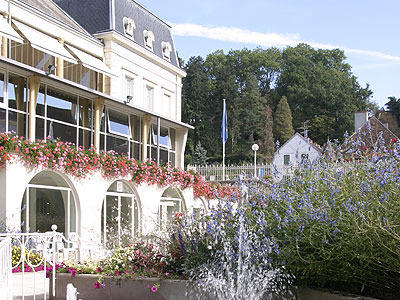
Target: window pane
pixel 126 221
pixel 164 137
pixel 172 136
pixel 149 97
pixel 135 151
pixel 16 92
pixel 172 210
pixel 2 120
pixel 286 159
pixel 64 132
pixel 136 218
pixel 61 106
pixel 16 123
pixel 85 113
pixel 153 153
pixel 72 213
pixel 85 138
pixel 111 221
pixel 163 156
pixel 40 101
pixel 40 129
pixel 129 84
pixel 172 158
pixel 119 123
pixel 1 88
pixel 119 145
pixel 102 142
pixel 46 207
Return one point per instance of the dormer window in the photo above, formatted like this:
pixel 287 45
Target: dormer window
pixel 166 50
pixel 148 39
pixel 129 26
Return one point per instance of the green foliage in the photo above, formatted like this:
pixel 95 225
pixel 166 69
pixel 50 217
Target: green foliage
pixel 394 107
pixel 319 82
pixel 269 143
pixel 199 155
pixel 283 128
pixel 318 85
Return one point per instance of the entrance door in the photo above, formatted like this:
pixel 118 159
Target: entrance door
pixel 119 221
pixel 43 206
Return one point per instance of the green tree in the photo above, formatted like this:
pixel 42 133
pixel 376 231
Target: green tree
pixel 320 82
pixel 269 144
pixel 283 128
pixel 199 155
pixel 195 93
pixel 394 107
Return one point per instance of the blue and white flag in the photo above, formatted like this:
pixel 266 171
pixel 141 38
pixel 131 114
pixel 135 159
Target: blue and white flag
pixel 224 125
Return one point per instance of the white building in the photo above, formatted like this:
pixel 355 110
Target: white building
pixel 290 154
pixel 102 73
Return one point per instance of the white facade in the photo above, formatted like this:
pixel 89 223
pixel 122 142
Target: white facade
pixel 104 91
pixel 87 195
pixel 296 149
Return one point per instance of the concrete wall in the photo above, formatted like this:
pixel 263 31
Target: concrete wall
pixel 135 289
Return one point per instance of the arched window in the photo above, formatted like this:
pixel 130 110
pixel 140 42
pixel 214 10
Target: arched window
pixel 48 200
pixel 171 202
pixel 119 216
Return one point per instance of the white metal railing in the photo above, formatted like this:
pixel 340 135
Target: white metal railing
pixel 5 269
pixel 232 173
pixel 32 258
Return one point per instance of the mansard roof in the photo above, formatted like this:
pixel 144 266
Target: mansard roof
pixel 52 10
pixel 108 15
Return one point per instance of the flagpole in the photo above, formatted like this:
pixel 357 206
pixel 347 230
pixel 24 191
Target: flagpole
pixel 223 141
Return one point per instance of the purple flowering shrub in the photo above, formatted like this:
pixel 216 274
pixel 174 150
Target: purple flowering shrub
pixel 336 223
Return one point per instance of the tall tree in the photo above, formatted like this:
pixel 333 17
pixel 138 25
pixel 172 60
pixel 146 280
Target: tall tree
pixel 195 93
pixel 319 82
pixel 269 144
pixel 283 128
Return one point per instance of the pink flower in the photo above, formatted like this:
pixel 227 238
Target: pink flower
pixel 117 272
pixel 154 289
pixel 99 269
pixel 96 285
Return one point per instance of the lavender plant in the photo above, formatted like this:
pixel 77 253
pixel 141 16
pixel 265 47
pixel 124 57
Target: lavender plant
pixel 336 223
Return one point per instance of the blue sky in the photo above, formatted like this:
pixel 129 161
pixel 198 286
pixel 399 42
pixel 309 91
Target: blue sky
pixel 368 31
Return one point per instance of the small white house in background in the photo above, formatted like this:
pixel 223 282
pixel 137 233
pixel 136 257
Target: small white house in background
pixel 296 149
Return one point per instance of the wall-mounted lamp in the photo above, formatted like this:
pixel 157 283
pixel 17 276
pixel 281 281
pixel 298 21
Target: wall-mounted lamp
pixel 128 99
pixel 50 70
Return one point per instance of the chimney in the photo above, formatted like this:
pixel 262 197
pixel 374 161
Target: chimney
pixel 360 118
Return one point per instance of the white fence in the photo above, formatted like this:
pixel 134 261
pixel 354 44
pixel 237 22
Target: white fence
pixel 29 262
pixel 233 173
pixel 5 269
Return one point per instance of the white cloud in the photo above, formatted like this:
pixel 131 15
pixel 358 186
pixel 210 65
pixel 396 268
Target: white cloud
pixel 232 34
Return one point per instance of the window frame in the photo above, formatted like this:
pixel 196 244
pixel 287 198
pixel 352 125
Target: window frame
pixel 110 131
pixel 149 39
pixel 284 159
pixel 153 129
